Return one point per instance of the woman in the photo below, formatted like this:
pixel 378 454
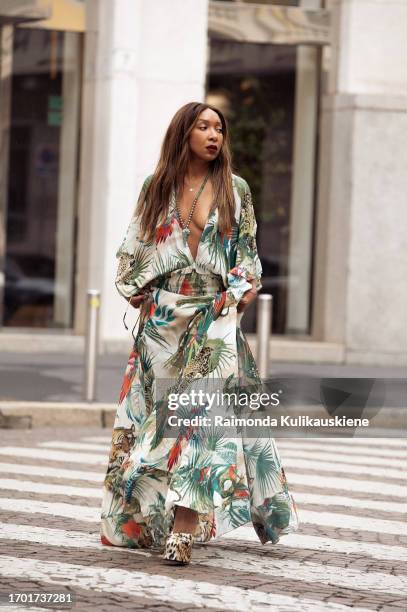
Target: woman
pixel 189 262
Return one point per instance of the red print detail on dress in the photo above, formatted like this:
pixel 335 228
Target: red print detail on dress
pixel 163 231
pixel 128 375
pixel 131 529
pixel 185 288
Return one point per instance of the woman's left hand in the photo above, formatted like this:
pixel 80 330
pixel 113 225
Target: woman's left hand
pixel 247 298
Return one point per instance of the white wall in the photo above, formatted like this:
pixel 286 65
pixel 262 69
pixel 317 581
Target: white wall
pixel 361 295
pixel 370 46
pixel 143 61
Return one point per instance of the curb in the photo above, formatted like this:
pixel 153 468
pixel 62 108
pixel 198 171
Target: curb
pixel 28 415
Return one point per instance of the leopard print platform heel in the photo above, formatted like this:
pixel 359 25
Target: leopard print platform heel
pixel 178 548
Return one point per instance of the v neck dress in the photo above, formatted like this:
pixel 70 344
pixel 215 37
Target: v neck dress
pixel 189 335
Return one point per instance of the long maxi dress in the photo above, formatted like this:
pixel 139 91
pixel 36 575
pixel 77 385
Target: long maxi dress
pixel 189 330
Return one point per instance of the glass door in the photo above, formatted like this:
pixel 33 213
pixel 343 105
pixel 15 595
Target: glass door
pixel 269 90
pixel 39 201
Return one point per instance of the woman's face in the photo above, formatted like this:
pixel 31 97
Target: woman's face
pixel 206 137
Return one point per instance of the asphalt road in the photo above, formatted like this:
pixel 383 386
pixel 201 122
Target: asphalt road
pixel 59 377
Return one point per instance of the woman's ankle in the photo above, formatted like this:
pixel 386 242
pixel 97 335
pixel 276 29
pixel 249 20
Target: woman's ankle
pixel 185 521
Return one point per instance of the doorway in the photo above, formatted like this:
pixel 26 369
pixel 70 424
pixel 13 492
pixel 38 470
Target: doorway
pixel 38 209
pixel 264 73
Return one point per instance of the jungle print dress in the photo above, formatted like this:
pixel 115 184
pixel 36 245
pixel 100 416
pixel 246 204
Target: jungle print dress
pixel 189 332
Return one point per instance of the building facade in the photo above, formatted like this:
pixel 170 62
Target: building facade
pixel 317 105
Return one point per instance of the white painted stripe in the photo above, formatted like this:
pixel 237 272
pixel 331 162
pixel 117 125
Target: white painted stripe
pixel 367 549
pixel 302 570
pixel 348 521
pixel 344 451
pixel 52 489
pixel 345 484
pixel 80 446
pixel 378 444
pixel 298 541
pixel 48 489
pixel 162 588
pixel 309 572
pixel 61 538
pixel 301 478
pixel 77 539
pixel 324 465
pixel 38 453
pixel 349 502
pixel 50 472
pixel 365 441
pixel 375 443
pixel 290 452
pixel 327 519
pixel 365 459
pixel 353 468
pixel 23 609
pixel 32 506
pixel 349 458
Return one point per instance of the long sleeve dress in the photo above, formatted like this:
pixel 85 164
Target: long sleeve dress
pixel 189 332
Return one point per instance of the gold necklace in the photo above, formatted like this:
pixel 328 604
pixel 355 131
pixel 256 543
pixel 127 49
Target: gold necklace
pixel 191 188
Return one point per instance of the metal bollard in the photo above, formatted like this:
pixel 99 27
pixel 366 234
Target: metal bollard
pixel 264 316
pixel 91 343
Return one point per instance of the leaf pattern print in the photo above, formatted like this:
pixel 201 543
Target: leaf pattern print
pixel 158 316
pixel 189 335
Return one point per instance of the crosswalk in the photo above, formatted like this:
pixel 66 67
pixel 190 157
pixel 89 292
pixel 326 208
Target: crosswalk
pixel 349 553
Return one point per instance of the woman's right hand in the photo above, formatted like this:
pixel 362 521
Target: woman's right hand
pixel 137 300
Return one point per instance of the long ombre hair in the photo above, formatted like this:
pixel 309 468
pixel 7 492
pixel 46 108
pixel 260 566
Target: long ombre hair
pixel 172 167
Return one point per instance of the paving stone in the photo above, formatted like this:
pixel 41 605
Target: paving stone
pixel 210 564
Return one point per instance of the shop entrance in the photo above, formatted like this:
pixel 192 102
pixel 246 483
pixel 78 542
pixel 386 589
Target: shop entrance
pixel 264 72
pixel 40 95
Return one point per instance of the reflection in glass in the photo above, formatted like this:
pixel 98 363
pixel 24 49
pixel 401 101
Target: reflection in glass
pixel 41 181
pixel 255 85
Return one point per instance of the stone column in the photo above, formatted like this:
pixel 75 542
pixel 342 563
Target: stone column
pixel 143 60
pixel 360 297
